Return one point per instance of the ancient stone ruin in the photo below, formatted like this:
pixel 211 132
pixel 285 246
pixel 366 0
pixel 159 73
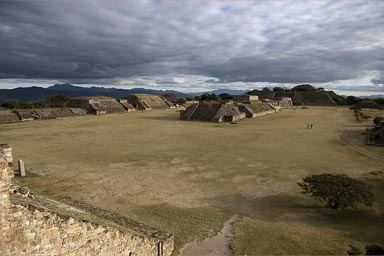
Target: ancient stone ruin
pixel 258 109
pixel 225 112
pixel 369 104
pixel 35 225
pixel 17 115
pixel 98 105
pixel 246 99
pixel 149 101
pixel 101 105
pixel 8 116
pixel 21 168
pixel 285 102
pixel 300 95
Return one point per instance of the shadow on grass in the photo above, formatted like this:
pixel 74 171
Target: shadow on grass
pixel 159 118
pixel 364 223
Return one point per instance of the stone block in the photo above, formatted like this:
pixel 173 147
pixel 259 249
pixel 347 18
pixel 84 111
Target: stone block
pixel 21 168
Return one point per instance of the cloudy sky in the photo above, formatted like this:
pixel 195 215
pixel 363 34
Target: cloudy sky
pixel 194 45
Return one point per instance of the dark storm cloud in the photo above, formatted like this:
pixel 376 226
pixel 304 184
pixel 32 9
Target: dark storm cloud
pixel 247 41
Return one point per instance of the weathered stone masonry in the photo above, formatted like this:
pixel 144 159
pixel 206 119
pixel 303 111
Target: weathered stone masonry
pixel 30 229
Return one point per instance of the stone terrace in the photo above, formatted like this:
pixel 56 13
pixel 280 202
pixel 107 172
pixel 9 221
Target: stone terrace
pixel 149 101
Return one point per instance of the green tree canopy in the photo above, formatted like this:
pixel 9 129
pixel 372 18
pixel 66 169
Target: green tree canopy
pixel 208 97
pixel 338 190
pixel 13 104
pixel 277 89
pixel 225 96
pixel 55 101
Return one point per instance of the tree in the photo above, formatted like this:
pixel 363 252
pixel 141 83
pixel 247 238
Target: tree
pixel 279 89
pixel 209 97
pixel 337 98
pixel 13 104
pixel 339 190
pixel 266 89
pixel 55 101
pixel 181 100
pixel 225 96
pixel 352 100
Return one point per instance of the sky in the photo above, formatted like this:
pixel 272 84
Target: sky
pixel 194 45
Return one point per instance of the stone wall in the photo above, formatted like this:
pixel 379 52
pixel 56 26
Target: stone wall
pixel 8 116
pixel 28 228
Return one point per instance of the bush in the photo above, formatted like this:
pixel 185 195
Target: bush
pixel 339 190
pixel 378 119
pixel 373 249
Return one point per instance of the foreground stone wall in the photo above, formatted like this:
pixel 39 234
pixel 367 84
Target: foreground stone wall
pixel 27 230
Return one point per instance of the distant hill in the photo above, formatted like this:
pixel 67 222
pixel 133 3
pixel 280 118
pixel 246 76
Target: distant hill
pixel 28 94
pixel 372 96
pixel 34 94
pixel 220 91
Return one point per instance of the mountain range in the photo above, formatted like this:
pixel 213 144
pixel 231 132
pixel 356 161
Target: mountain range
pixel 34 94
pixel 373 96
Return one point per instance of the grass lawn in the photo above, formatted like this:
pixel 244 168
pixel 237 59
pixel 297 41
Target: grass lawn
pixel 188 178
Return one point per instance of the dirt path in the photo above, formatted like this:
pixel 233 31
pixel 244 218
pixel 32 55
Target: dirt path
pixel 217 245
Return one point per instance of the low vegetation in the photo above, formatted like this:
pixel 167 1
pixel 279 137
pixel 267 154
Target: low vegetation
pixel 57 101
pixel 378 119
pixel 374 249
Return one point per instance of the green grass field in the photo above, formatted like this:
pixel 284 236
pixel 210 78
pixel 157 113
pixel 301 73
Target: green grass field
pixel 188 178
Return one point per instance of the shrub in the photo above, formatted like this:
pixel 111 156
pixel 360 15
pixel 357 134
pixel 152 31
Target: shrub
pixel 373 249
pixel 378 119
pixel 339 190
